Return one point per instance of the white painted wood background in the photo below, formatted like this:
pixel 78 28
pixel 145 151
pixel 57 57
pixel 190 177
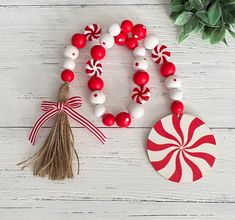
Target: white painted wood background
pixel 116 180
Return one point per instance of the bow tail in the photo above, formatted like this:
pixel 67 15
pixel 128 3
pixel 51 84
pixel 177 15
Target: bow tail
pixel 86 123
pixel 37 126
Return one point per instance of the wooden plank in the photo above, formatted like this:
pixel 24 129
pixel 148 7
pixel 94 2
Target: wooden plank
pixel 116 181
pixel 32 64
pixel 80 2
pixel 115 210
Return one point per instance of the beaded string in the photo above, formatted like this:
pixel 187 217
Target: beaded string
pixel 129 35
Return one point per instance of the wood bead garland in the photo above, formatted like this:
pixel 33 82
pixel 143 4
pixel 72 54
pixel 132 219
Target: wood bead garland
pixel 174 139
pixel 141 94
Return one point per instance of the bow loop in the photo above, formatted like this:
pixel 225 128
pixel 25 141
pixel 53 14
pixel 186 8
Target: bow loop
pixel 74 102
pixel 51 109
pixel 47 106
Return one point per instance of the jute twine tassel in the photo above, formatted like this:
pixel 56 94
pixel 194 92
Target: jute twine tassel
pixel 55 157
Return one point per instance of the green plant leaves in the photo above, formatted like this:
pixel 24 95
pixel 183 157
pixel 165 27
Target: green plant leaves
pixel 202 15
pixel 176 2
pixel 206 33
pixel 183 18
pixel 182 36
pixel 229 1
pixel 197 4
pixel 191 25
pixel 217 35
pixel 229 14
pixel 177 8
pixel 212 18
pixel 214 13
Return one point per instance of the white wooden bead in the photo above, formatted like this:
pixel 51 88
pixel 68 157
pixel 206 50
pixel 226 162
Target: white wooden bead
pixel 173 82
pixel 71 52
pixel 69 64
pixel 140 63
pixel 99 110
pixel 139 52
pixel 136 111
pixel 114 29
pixel 106 40
pixel 176 94
pixel 97 97
pixel 151 41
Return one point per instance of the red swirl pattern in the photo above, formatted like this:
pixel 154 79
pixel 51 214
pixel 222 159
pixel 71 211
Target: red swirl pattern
pixel 92 32
pixel 181 149
pixel 140 94
pixel 160 54
pixel 94 68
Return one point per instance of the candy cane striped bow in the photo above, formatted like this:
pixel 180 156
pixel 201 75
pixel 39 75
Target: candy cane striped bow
pixel 51 109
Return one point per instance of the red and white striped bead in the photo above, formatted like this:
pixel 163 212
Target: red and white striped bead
pixel 160 54
pixel 94 68
pixel 140 94
pixel 92 32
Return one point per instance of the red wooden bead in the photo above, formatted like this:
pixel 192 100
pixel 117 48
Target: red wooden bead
pixel 120 39
pixel 139 31
pixel 126 26
pixel 141 78
pixel 95 83
pixel 97 52
pixel 177 107
pixel 108 119
pixel 167 69
pixel 123 119
pixel 131 43
pixel 79 40
pixel 67 75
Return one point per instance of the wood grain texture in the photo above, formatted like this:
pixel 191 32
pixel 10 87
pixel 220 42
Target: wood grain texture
pixel 80 2
pixel 116 181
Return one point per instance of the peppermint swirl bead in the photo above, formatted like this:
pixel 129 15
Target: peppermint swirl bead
pixel 160 54
pixel 92 32
pixel 140 94
pixel 94 68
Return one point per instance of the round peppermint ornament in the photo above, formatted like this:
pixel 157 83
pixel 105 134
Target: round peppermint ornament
pixel 181 148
